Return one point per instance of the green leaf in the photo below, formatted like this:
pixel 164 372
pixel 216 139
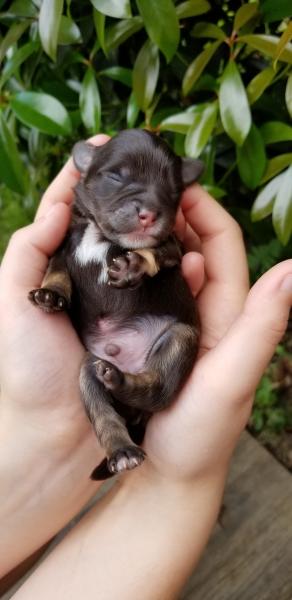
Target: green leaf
pixel 119 33
pixel 196 68
pixel 145 74
pixel 267 44
pixel 244 14
pixel 90 105
pixel 234 107
pixel 192 8
pixel 22 8
pixel 259 83
pixel 275 131
pixel 69 33
pixel 132 111
pixel 214 191
pixel 208 30
pixel 275 11
pixel 49 25
pixel 201 129
pixel 120 74
pixel 12 170
pixel 41 111
pixel 179 123
pixel 13 63
pixel 99 23
pixel 282 210
pixel 263 204
pixel 161 24
pixel 288 95
pixel 120 9
pixel 283 41
pixel 251 158
pixel 13 34
pixel 276 165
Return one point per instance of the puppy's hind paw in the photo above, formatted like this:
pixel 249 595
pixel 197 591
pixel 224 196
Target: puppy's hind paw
pixel 125 459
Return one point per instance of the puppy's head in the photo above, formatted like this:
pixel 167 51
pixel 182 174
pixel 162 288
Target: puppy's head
pixel 131 186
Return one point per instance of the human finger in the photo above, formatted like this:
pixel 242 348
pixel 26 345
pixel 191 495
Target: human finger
pixel 193 271
pixel 242 355
pixel 26 258
pixel 225 262
pixel 61 188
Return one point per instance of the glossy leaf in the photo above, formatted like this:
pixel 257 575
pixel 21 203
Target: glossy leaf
pixel 267 44
pixel 69 33
pixel 49 25
pixel 259 84
pixel 282 210
pixel 196 68
pixel 145 74
pixel 276 165
pixel 263 204
pixel 275 131
pixel 192 8
pixel 132 111
pixel 13 63
pixel 41 111
pixel 251 158
pixel 13 34
pixel 90 105
pixel 283 41
pixel 120 9
pixel 288 95
pixel 161 23
pixel 234 107
pixel 208 30
pixel 244 14
pixel 275 10
pixel 99 23
pixel 214 191
pixel 12 170
pixel 119 33
pixel 120 74
pixel 22 8
pixel 179 123
pixel 200 130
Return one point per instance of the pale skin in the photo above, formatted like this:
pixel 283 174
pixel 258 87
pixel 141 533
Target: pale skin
pixel 147 534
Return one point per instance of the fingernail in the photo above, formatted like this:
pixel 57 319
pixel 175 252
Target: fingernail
pixel 287 284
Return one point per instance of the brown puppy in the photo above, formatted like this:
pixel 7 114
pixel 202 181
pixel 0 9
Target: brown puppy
pixel 118 274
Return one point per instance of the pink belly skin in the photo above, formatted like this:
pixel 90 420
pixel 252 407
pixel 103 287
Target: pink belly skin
pixel 126 346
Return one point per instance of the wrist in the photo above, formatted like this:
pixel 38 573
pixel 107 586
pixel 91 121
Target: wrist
pixel 44 482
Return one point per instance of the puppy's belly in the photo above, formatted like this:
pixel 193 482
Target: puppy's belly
pixel 126 345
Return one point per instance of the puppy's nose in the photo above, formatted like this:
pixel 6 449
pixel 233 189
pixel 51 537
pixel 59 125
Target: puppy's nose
pixel 147 217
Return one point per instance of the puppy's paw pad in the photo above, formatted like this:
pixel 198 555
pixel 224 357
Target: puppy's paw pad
pixel 126 459
pixel 126 270
pixel 108 374
pixel 48 300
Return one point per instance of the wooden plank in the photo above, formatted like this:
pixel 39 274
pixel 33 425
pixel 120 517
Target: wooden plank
pixel 249 556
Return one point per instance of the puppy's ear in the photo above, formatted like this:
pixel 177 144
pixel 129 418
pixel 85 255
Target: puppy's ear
pixel 191 170
pixel 83 154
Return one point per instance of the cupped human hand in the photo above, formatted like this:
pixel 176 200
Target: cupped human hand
pixel 40 354
pixel 198 433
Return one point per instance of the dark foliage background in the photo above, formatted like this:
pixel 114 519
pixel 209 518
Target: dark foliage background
pixel 213 78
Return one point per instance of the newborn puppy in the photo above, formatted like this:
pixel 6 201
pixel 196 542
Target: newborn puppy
pixel 118 274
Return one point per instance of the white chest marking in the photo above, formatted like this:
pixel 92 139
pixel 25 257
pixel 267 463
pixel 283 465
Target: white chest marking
pixel 91 249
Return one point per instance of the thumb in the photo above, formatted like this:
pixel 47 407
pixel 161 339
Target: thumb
pixel 26 258
pixel 243 354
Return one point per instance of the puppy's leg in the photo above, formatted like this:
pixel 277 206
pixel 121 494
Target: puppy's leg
pixel 110 428
pixel 56 290
pixel 169 362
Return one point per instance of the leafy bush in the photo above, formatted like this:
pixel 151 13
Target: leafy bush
pixel 214 80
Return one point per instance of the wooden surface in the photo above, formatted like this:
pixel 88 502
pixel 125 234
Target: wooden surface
pixel 249 556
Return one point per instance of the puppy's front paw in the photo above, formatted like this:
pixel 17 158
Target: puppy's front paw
pixel 125 459
pixel 126 270
pixel 48 300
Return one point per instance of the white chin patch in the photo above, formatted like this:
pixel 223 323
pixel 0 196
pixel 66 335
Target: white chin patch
pixel 132 241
